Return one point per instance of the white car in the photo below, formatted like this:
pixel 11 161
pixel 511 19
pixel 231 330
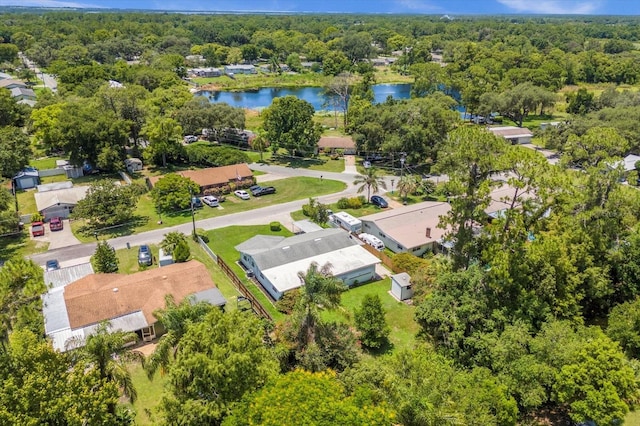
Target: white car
pixel 210 200
pixel 241 194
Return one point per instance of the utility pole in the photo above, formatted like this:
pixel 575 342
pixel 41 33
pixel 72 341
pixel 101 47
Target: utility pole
pixel 403 158
pixel 193 215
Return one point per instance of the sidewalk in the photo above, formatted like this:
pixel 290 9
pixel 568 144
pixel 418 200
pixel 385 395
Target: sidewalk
pixel 350 164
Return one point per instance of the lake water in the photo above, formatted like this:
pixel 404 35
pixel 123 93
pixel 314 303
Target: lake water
pixel 262 98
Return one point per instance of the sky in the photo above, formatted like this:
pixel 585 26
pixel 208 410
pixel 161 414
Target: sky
pixel 438 7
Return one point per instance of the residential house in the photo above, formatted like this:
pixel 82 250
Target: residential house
pixel 514 135
pixel 240 69
pixel 216 179
pixel 127 302
pixel 412 229
pixel 205 72
pixel 629 162
pixel 59 202
pixel 23 94
pixel 27 178
pixel 5 76
pixel 10 83
pixel 275 261
pixel 333 143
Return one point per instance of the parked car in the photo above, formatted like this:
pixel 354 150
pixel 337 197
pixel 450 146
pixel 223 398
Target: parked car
pixel 52 265
pixel 37 229
pixel 377 200
pixel 196 202
pixel 240 193
pixel 191 138
pixel 144 256
pixel 254 188
pixel 210 200
pixel 55 224
pixel 366 164
pixel 264 191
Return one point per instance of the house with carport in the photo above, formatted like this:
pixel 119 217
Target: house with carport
pixel 275 260
pixel 73 310
pixel 513 135
pixel 337 143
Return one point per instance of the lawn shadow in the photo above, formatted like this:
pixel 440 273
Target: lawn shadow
pixel 115 230
pixel 296 162
pixel 385 348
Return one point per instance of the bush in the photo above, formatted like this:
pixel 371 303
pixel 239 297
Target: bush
pixel 351 203
pixel 181 252
pixel 37 217
pixel 288 301
pixel 275 226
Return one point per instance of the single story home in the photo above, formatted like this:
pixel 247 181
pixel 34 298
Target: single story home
pixel 205 72
pixel 515 135
pixel 240 69
pixel 629 162
pixel 412 229
pixel 23 94
pixel 276 261
pixel 28 178
pixel 334 143
pixel 213 178
pixel 127 302
pixel 59 202
pixel 4 76
pixel 10 83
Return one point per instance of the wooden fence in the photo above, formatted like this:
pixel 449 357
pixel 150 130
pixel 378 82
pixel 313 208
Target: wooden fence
pixel 384 258
pixel 237 282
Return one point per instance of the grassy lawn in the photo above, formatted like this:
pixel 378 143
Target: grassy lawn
pixel 633 418
pixel 399 315
pixel 45 163
pixel 223 242
pixel 27 202
pixel 367 209
pixel 288 189
pixel 149 395
pixel 322 163
pixel 20 245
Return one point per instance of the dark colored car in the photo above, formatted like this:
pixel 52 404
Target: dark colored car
pixel 144 256
pixel 37 229
pixel 255 188
pixel 55 224
pixel 52 265
pixel 264 191
pixel 197 202
pixel 377 200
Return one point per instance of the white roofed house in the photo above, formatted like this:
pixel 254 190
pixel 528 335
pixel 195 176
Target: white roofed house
pixel 275 261
pixel 59 202
pixel 514 135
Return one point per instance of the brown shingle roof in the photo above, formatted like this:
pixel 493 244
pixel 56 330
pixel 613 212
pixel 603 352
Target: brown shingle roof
pixel 336 142
pixel 93 299
pixel 511 132
pixel 213 175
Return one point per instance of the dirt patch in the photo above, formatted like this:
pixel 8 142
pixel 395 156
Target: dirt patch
pixel 212 87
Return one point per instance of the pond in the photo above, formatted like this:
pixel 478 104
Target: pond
pixel 262 98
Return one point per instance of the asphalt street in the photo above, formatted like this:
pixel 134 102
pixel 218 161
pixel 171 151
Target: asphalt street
pixel 278 212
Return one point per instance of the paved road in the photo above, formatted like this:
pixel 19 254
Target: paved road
pixel 48 79
pixel 278 212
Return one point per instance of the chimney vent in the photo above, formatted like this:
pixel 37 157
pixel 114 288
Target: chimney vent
pixel 428 233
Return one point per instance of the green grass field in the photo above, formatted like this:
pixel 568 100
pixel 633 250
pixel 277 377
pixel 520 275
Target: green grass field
pixel 20 245
pixel 322 163
pixel 26 202
pixel 149 395
pixel 399 315
pixel 288 189
pixel 45 163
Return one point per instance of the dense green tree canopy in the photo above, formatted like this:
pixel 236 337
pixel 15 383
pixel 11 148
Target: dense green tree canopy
pixel 173 192
pixel 289 124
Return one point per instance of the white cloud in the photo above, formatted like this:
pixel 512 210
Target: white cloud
pixel 47 3
pixel 417 6
pixel 559 7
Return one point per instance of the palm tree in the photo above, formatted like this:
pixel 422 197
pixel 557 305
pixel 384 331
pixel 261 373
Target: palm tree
pixel 321 290
pixel 175 319
pixel 371 180
pixel 104 351
pixel 406 185
pixel 260 142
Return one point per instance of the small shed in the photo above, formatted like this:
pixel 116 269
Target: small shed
pixel 401 286
pixel 73 172
pixel 27 179
pixel 164 259
pixel 133 164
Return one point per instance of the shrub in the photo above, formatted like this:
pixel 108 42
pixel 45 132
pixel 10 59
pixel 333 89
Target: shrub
pixel 351 203
pixel 37 217
pixel 275 226
pixel 371 322
pixel 288 301
pixel 181 252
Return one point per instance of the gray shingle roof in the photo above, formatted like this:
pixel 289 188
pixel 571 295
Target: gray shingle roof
pixel 297 247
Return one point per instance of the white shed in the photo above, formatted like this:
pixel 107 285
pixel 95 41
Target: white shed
pixel 401 286
pixel 164 259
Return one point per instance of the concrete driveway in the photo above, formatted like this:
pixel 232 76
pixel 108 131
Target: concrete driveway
pixel 59 239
